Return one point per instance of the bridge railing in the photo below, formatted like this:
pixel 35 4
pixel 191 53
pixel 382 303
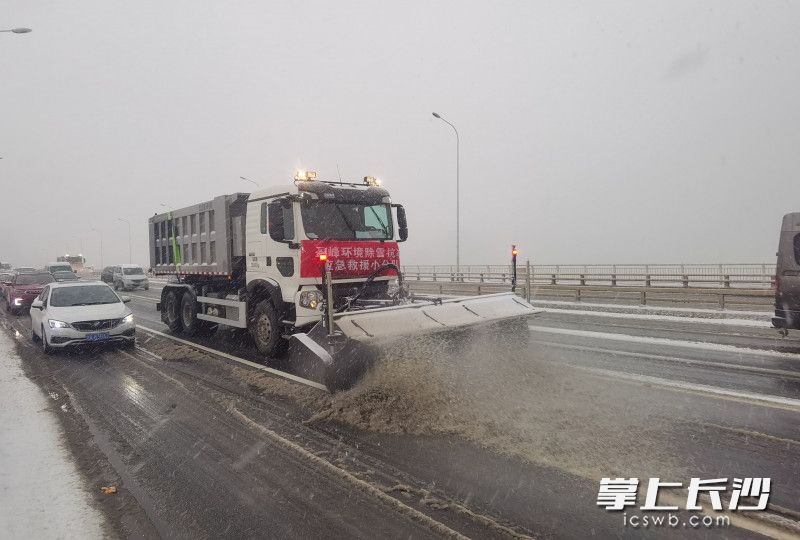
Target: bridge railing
pixel 750 276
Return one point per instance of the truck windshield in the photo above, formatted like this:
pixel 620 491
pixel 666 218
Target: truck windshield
pixel 347 221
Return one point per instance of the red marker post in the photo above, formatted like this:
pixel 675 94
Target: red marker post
pixel 514 253
pixel 327 291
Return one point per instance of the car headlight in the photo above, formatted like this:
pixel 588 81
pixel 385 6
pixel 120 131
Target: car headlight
pixel 57 324
pixel 17 301
pixel 310 299
pixel 128 319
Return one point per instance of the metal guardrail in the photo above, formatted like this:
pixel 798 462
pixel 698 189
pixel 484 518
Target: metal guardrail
pixel 751 276
pixel 711 298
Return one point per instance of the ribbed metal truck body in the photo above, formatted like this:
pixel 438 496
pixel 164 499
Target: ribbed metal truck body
pixel 203 239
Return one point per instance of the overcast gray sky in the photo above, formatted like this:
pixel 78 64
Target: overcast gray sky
pixel 591 132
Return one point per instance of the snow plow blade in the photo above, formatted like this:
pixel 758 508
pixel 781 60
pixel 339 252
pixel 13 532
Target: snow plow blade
pixel 340 357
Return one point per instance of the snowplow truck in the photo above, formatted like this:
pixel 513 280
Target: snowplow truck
pixel 308 268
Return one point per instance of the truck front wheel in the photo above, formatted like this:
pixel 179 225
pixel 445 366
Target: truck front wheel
pixel 172 311
pixel 266 330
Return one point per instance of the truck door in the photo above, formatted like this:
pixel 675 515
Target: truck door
pixel 270 251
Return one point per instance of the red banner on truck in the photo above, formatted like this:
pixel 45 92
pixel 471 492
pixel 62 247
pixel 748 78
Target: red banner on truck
pixel 347 258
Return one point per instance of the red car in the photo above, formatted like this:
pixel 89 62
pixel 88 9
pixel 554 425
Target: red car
pixel 23 288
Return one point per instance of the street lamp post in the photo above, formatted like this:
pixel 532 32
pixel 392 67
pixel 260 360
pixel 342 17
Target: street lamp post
pixel 130 253
pixel 458 200
pixel 18 30
pixel 101 246
pixel 251 181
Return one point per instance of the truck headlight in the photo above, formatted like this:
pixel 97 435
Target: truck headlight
pixel 310 299
pixel 128 319
pixel 57 324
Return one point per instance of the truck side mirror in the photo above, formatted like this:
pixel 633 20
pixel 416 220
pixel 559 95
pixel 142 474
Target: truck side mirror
pixel 402 224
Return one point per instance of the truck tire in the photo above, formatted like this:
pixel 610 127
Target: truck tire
pixel 189 321
pixel 266 330
pixel 172 311
pixel 192 326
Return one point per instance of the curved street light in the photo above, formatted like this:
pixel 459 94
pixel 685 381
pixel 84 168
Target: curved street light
pixel 18 30
pixel 251 181
pixel 458 199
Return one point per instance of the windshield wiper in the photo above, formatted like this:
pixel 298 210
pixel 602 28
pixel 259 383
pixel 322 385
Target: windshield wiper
pixel 346 221
pixel 384 227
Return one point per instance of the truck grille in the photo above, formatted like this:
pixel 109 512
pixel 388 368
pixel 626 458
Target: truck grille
pixel 90 326
pixel 33 291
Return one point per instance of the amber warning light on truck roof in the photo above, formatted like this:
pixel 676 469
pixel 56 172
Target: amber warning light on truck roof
pixel 305 176
pixel 372 181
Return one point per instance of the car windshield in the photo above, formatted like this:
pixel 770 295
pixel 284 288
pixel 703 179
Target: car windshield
pixel 134 271
pixel 85 295
pixel 33 279
pixel 60 268
pixel 347 221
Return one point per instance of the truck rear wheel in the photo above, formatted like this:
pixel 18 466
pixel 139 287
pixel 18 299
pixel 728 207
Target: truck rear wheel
pixel 191 324
pixel 266 330
pixel 172 313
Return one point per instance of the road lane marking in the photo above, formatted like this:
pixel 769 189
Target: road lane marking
pixel 615 352
pixel 716 347
pixel 663 318
pixel 227 356
pixel 149 298
pixel 749 433
pixel 750 397
pixel 357 483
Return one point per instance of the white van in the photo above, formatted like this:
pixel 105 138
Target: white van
pixel 129 277
pixel 787 275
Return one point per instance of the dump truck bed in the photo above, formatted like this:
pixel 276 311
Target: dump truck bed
pixel 203 239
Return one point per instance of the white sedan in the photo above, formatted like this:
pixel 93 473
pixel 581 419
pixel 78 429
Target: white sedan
pixel 81 313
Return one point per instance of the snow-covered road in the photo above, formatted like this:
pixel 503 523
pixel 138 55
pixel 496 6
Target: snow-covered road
pixel 42 493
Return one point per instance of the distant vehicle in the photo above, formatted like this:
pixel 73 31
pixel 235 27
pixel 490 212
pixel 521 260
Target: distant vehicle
pixel 77 262
pixel 787 275
pixel 4 278
pixel 129 277
pixel 107 275
pixel 21 290
pixel 25 269
pixel 58 267
pixel 81 313
pixel 65 275
pixel 5 266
